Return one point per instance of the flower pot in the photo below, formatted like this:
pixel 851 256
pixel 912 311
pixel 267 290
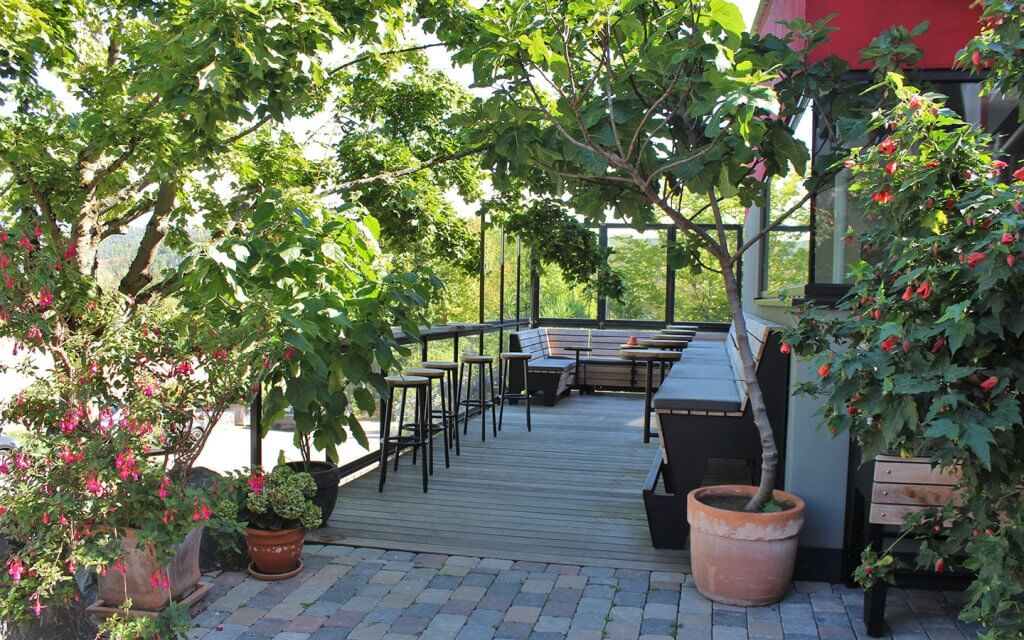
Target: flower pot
pixel 275 552
pixel 738 557
pixel 182 574
pixel 327 477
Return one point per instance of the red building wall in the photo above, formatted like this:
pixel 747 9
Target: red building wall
pixel 953 24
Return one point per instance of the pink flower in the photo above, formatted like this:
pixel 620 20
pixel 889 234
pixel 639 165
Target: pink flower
pixel 1007 238
pixel 92 485
pixel 164 489
pixel 45 298
pixel 37 232
pixel 37 607
pixel 22 461
pixel 25 243
pixel 16 568
pixel 4 261
pixel 256 483
pixel 289 353
pixel 891 166
pixel 1019 174
pixel 159 579
pixel 989 383
pixel 69 253
pixel 34 334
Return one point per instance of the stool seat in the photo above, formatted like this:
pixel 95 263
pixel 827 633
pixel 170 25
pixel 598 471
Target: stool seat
pixel 424 373
pixel 406 381
pixel 515 355
pixel 440 364
pixel 476 359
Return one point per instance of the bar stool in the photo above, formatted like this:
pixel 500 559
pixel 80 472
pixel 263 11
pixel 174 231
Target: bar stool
pixel 507 359
pixel 484 401
pixel 451 371
pixel 435 428
pixel 420 425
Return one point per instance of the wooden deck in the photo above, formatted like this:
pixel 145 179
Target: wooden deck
pixel 568 492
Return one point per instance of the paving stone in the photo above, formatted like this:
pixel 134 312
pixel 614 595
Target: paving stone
pixel 285 611
pixel 634 599
pixel 559 609
pixel 763 628
pixel 487 617
pixel 495 602
pixel 530 599
pixel 383 614
pixel 512 575
pixel 594 605
pixel 658 626
pixel 331 633
pixel 555 624
pixel 322 609
pixel 476 632
pixel 583 634
pixel 246 616
pixel 447 621
pixel 633 584
pixel 513 631
pixel 209 618
pixel 291 635
pixel 387 577
pixel 409 625
pixel 369 631
pixel 267 628
pixel 662 596
pixel 728 633
pixel 226 632
pixel 721 618
pixel 522 614
pixel 661 611
pixel 589 620
pixel 544 635
pixel 305 624
pixel 494 564
pixel 622 630
pixel 478 579
pixel 459 607
pixel 423 610
pixel 535 585
pixel 448 582
pixel 345 618
pixel 538 567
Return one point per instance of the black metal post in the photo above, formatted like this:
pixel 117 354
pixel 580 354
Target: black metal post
pixel 256 430
pixel 602 302
pixel 670 277
pixel 519 278
pixel 501 297
pixel 534 292
pixel 483 253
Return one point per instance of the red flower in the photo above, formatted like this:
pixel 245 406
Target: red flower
pixel 890 167
pixel 256 481
pixel 289 353
pixel 975 258
pixel 890 343
pixel 852 410
pixel 850 163
pixel 1010 259
pixel 998 165
pixel 941 342
pixel 924 290
pixel 93 485
pixel 887 146
pixel 882 197
pixel 979 61
pixel 931 164
pixel 1019 174
pixel 989 383
pixel 940 564
pixel 908 294
pixel 915 101
pixel 824 369
pixel 1007 238
pixel 876 314
pixel 16 568
pixel 45 298
pixel 25 243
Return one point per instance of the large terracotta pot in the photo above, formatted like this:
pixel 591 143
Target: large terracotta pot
pixel 327 477
pixel 182 573
pixel 742 558
pixel 275 552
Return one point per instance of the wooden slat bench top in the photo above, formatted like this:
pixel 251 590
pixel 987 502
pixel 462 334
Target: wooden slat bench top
pixel 903 486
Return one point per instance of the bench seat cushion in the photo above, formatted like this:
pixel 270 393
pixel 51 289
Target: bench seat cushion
pixel 702 370
pixel 552 364
pixel 609 360
pixel 705 359
pixel 698 394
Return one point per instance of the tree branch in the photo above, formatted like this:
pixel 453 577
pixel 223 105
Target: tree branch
pixel 393 175
pixel 138 275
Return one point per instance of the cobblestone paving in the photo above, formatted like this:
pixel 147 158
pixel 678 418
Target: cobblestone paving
pixel 370 594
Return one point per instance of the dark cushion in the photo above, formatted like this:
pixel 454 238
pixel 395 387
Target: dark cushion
pixel 702 370
pixel 705 359
pixel 698 394
pixel 552 364
pixel 607 361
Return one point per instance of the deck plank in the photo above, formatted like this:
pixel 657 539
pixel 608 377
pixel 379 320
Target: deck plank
pixel 568 493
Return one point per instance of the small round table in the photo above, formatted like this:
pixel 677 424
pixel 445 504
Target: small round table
pixel 650 356
pixel 672 344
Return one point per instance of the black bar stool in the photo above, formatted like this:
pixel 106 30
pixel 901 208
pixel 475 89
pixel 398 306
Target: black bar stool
pixel 420 425
pixel 450 412
pixel 507 359
pixel 435 427
pixel 485 399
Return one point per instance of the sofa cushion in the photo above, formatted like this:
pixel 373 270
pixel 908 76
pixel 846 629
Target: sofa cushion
pixel 698 394
pixel 608 361
pixel 552 364
pixel 702 370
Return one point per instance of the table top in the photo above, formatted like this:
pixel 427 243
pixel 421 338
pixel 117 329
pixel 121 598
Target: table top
pixel 662 342
pixel 579 348
pixel 649 354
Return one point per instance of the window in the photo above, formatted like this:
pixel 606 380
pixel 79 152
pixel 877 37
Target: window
pixel 640 259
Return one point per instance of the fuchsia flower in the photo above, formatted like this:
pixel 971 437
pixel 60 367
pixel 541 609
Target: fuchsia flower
pixel 256 483
pixel 92 485
pixel 45 298
pixel 69 253
pixel 25 243
pixel 125 464
pixel 37 606
pixel 183 368
pixel 159 579
pixel 37 232
pixel 4 261
pixel 34 334
pixel 289 353
pixel 16 568
pixel 164 489
pixel 22 461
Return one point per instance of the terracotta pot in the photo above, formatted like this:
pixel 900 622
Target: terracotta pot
pixel 327 477
pixel 741 558
pixel 275 552
pixel 182 572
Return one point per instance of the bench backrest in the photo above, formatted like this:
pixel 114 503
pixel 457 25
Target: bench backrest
pixel 757 334
pixel 903 486
pixel 554 342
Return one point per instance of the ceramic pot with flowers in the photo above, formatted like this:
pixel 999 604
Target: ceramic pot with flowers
pixel 276 509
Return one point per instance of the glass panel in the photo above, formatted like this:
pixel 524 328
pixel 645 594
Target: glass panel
pixel 788 255
pixel 560 299
pixel 640 260
pixel 701 297
pixel 495 259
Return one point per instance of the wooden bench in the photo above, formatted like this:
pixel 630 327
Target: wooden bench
pixel 703 412
pixel 588 359
pixel 900 487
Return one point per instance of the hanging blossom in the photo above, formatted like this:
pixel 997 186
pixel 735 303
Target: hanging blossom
pixel 45 298
pixel 92 485
pixel 165 488
pixel 125 464
pixel 160 579
pixel 16 568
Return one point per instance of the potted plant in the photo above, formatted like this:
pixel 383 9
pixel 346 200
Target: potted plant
pixel 276 509
pixel 326 476
pixel 625 113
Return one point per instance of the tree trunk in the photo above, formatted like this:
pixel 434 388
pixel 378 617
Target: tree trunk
pixel 138 275
pixel 769 452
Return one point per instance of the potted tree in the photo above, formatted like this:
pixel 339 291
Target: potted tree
pixel 666 110
pixel 276 510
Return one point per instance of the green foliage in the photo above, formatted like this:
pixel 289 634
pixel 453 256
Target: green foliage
pixel 996 53
pixel 923 357
pixel 279 500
